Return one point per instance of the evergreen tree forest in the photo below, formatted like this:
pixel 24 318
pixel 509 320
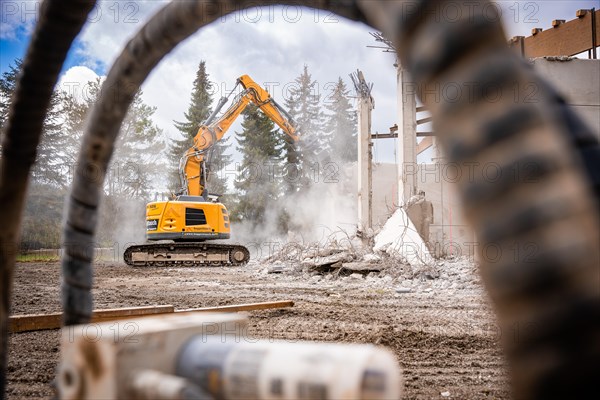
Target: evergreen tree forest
pixel 136 164
pixel 274 167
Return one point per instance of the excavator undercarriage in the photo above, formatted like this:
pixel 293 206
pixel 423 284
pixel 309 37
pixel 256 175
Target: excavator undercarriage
pixel 193 254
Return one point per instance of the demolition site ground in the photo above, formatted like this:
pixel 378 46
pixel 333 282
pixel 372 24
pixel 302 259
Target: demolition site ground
pixel 440 327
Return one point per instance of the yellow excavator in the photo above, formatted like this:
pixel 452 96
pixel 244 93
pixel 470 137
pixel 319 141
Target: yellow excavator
pixel 193 217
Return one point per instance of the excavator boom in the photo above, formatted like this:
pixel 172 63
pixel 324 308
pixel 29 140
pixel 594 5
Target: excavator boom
pixel 193 163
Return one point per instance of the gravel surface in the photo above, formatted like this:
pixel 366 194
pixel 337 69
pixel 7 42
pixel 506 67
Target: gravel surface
pixel 437 321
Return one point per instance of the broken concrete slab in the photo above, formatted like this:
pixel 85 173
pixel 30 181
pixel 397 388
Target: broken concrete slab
pixel 327 261
pixel 275 269
pixel 371 257
pixel 346 268
pixel 359 266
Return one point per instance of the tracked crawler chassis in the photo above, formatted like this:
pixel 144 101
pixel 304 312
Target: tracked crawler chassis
pixel 192 254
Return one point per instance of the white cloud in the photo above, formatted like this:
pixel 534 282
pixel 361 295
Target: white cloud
pixel 75 81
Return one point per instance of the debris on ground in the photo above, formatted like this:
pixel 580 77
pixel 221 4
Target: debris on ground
pixel 276 268
pixel 348 264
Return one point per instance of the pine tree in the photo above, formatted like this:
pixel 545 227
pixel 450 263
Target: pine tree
pixel 217 160
pixel 137 161
pixel 258 185
pixel 52 160
pixel 74 114
pixel 8 81
pixel 303 105
pixel 137 164
pixel 340 125
pixel 53 153
pixel 198 112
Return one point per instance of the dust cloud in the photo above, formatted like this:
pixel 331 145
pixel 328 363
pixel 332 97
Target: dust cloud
pixel 321 213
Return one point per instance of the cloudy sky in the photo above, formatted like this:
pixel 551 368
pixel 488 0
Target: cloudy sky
pixel 270 44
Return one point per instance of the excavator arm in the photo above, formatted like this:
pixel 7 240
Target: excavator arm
pixel 192 166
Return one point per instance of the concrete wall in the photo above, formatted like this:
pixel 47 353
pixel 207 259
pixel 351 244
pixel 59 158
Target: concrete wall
pixel 385 192
pixel 449 233
pixel 578 81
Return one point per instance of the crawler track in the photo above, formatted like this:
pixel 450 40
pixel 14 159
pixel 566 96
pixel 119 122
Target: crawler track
pixel 196 254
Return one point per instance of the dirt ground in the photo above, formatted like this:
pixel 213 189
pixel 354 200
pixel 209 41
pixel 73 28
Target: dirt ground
pixel 442 331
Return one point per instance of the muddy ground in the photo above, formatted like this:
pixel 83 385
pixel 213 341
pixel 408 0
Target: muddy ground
pixel 442 331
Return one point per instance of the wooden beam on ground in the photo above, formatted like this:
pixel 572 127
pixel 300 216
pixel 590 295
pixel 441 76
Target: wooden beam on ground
pixel 38 322
pixel 243 307
pixel 565 39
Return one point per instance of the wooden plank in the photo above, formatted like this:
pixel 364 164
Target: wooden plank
pixel 37 322
pixel 124 313
pixel 424 144
pixel 395 135
pixel 242 307
pixel 567 39
pixel 26 323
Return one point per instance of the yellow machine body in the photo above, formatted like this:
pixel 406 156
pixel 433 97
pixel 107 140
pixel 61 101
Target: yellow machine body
pixel 186 220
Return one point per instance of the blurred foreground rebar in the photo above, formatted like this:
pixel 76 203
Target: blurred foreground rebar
pixel 527 168
pixel 59 22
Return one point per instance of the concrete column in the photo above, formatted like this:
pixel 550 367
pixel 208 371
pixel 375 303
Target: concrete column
pixel 365 189
pixel 407 136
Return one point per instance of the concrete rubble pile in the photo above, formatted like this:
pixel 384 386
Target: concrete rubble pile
pixel 351 263
pixel 334 257
pixel 394 256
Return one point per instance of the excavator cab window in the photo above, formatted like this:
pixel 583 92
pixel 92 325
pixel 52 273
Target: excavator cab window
pixel 194 216
pixel 197 199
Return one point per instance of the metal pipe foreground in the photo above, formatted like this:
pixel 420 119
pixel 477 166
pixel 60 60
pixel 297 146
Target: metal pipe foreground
pixel 209 356
pixel 289 370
